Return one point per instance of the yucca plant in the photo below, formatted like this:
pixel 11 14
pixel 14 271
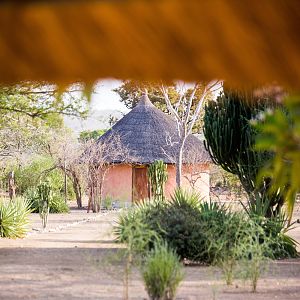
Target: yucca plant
pixel 14 218
pixel 182 198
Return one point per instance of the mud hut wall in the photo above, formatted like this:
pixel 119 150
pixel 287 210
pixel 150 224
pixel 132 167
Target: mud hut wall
pixel 118 183
pixel 202 183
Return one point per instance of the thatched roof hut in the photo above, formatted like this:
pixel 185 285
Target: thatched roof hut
pixel 149 134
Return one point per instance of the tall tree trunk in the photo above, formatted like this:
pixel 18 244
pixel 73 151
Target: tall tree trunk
pixel 102 174
pixel 65 184
pixel 11 185
pixel 76 186
pixel 77 190
pixel 179 159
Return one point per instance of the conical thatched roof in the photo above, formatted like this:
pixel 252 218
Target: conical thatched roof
pixel 149 135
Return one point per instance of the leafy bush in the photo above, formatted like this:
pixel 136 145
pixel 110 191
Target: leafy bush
pixel 162 272
pixel 29 176
pixel 275 229
pixel 204 231
pixel 182 223
pixel 137 236
pixel 108 202
pixel 14 218
pixel 253 252
pixel 57 203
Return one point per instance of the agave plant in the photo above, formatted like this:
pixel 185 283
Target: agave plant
pixel 14 218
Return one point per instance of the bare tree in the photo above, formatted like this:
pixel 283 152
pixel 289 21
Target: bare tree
pixel 66 152
pixel 186 112
pixel 99 157
pixel 193 167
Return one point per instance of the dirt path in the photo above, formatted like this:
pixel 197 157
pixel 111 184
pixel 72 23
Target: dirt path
pixel 78 261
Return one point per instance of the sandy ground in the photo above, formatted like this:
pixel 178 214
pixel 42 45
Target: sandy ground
pixel 76 258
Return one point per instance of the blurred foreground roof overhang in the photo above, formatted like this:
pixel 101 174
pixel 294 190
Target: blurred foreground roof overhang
pixel 243 42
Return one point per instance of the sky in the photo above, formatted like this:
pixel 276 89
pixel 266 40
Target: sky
pixel 105 99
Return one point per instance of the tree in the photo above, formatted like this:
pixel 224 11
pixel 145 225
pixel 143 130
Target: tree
pixel 185 116
pixel 230 141
pixel 131 91
pixel 86 135
pixel 40 100
pixel 194 171
pixel 98 158
pixel 66 152
pixel 28 111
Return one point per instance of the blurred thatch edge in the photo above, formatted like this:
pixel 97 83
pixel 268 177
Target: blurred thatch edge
pixel 65 41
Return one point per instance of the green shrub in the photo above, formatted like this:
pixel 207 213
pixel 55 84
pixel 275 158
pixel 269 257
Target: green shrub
pixel 137 237
pixel 29 176
pixel 253 252
pixel 162 272
pixel 205 231
pixel 33 199
pixel 14 218
pixel 275 229
pixel 182 223
pixel 57 203
pixel 107 202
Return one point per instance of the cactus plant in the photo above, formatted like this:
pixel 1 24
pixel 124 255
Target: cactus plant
pixel 158 176
pixel 44 198
pixel 230 141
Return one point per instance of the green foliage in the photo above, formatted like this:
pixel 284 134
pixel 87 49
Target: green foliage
pixel 29 175
pixel 44 194
pixel 280 133
pixel 38 100
pixel 57 203
pixel 137 236
pixel 14 218
pixel 107 202
pixel 87 135
pixel 253 253
pixel 162 272
pixel 204 231
pixel 181 222
pixel 230 141
pixel 158 176
pixel 275 229
pixel 41 168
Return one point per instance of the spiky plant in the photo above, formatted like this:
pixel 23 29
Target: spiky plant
pixel 44 192
pixel 230 140
pixel 14 218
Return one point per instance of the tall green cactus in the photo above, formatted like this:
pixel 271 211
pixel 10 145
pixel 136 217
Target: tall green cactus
pixel 230 141
pixel 158 176
pixel 44 191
